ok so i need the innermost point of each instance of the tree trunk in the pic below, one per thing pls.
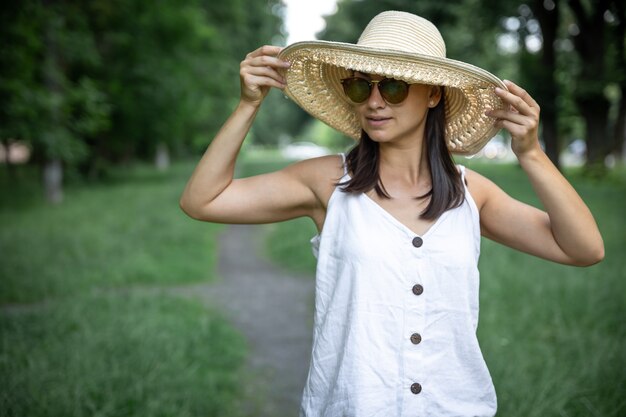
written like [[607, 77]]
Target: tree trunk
[[53, 180], [589, 93], [162, 157], [619, 131], [595, 109], [619, 134], [53, 166], [549, 21], [10, 168]]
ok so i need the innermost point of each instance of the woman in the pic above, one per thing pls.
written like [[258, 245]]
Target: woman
[[400, 224]]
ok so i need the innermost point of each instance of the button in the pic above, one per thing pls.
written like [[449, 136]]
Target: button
[[417, 241], [418, 289], [416, 388], [416, 338]]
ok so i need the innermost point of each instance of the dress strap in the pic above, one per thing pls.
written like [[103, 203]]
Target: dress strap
[[345, 166], [462, 172]]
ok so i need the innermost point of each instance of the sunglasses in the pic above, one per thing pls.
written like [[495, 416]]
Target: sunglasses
[[359, 89]]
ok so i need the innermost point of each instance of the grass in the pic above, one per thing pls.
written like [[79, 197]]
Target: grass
[[552, 335], [126, 231], [561, 327], [118, 355], [87, 327]]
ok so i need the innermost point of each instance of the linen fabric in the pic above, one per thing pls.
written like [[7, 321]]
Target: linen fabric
[[376, 336]]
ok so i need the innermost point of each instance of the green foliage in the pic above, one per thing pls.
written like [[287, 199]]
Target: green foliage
[[100, 81], [42, 104], [322, 134], [279, 120]]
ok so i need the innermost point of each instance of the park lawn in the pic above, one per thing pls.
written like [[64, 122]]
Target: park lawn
[[552, 335], [87, 324], [128, 230], [119, 354]]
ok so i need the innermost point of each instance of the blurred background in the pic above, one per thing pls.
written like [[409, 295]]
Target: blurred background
[[105, 107]]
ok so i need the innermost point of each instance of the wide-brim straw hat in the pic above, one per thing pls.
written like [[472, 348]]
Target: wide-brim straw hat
[[397, 45]]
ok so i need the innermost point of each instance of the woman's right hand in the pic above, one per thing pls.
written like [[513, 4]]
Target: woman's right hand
[[258, 72]]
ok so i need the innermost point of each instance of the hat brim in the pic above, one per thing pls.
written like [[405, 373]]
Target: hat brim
[[317, 67]]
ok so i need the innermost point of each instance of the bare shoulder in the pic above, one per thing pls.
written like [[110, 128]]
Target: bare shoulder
[[481, 187], [319, 174]]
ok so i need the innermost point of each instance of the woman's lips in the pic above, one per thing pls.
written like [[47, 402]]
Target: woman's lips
[[376, 121]]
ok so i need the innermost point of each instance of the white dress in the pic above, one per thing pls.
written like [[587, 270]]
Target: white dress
[[396, 315]]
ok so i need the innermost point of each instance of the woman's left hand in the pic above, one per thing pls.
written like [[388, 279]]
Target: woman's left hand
[[521, 119]]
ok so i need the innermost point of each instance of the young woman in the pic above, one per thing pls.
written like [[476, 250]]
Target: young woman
[[399, 224]]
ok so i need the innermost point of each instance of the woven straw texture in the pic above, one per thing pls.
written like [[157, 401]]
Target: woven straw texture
[[396, 45]]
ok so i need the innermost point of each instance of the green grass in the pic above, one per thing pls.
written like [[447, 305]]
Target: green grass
[[126, 231], [86, 325], [553, 336], [118, 355], [552, 333]]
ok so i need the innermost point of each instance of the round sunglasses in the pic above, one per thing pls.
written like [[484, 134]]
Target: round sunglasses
[[359, 89]]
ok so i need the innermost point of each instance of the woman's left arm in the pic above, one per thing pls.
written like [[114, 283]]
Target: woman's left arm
[[566, 232]]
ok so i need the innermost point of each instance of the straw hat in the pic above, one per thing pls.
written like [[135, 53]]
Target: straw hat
[[396, 45]]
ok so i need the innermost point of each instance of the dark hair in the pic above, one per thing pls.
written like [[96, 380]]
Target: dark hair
[[447, 188]]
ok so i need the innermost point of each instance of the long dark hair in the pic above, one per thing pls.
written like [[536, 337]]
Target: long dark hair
[[447, 188]]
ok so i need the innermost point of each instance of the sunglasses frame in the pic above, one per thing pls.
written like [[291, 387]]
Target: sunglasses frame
[[371, 83]]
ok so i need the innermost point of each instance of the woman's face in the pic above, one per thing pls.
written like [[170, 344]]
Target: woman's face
[[405, 121]]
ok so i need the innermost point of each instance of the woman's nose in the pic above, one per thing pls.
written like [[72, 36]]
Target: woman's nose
[[375, 100]]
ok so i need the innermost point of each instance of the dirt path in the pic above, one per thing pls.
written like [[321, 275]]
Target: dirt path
[[274, 310]]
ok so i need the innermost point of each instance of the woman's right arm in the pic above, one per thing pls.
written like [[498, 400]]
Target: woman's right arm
[[211, 194]]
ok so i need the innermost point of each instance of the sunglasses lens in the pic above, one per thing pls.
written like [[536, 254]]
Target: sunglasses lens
[[393, 91], [357, 89]]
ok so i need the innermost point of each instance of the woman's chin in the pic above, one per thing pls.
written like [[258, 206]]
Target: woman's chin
[[377, 135]]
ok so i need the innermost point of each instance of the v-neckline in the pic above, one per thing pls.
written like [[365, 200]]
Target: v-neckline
[[391, 217], [401, 225]]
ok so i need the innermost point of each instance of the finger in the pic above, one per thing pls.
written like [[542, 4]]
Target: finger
[[270, 50], [520, 92], [515, 101], [517, 131], [266, 61], [262, 72], [260, 81], [508, 115]]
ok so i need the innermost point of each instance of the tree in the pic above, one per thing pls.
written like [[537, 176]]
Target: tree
[[596, 72], [619, 39], [547, 13], [44, 105], [94, 82]]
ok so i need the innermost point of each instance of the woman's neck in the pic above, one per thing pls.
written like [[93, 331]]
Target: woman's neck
[[404, 165]]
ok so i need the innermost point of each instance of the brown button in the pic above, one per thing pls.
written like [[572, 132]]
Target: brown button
[[416, 388], [416, 338], [418, 289], [417, 241]]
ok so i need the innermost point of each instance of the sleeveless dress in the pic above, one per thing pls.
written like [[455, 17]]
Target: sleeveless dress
[[396, 315]]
